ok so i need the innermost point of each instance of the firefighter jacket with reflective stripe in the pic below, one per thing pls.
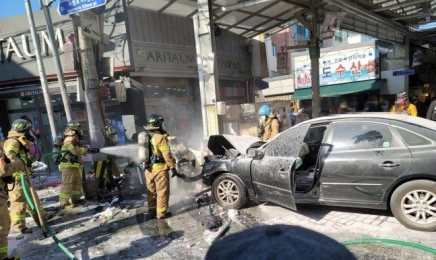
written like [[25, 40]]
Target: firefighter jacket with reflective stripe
[[6, 170], [17, 147], [73, 157], [271, 126], [161, 149]]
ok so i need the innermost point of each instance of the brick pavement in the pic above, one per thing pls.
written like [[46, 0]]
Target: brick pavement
[[129, 236]]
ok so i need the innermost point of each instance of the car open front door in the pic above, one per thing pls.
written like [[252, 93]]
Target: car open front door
[[273, 170]]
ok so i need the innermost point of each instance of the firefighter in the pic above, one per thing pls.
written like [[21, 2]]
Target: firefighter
[[16, 149], [270, 125], [6, 177], [158, 169], [70, 165]]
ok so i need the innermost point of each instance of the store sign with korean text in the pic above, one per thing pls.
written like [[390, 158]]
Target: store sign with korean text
[[336, 67]]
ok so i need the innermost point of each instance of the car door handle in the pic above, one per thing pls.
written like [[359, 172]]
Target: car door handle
[[388, 165]]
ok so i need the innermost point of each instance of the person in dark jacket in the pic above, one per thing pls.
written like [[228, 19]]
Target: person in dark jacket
[[431, 112], [420, 107]]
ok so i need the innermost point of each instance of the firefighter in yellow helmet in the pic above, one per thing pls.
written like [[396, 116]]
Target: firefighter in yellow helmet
[[70, 165], [16, 148], [6, 177], [157, 172]]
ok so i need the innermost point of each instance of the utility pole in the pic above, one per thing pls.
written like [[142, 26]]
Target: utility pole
[[314, 53], [200, 74], [208, 55], [55, 52], [92, 95], [42, 75]]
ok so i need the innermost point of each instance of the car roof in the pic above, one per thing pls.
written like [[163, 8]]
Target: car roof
[[376, 115]]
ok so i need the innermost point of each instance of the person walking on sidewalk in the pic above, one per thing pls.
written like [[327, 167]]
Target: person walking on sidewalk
[[6, 177], [70, 165], [157, 172], [16, 148]]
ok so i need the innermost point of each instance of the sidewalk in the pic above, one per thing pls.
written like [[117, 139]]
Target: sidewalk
[[118, 231], [122, 231]]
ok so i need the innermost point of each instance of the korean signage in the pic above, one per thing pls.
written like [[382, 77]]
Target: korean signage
[[67, 7], [281, 60], [90, 24], [336, 67]]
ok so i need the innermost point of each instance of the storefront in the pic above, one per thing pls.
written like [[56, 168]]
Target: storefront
[[165, 63], [362, 77]]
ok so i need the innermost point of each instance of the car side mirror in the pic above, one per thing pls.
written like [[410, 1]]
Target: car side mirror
[[251, 152], [258, 154]]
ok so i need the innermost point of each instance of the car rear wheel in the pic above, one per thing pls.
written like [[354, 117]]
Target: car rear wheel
[[229, 191], [414, 205]]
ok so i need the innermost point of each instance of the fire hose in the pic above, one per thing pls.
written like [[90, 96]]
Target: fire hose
[[389, 241], [46, 228]]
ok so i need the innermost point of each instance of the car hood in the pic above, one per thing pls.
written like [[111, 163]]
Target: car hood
[[231, 145]]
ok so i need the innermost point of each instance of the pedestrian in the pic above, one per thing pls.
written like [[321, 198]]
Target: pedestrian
[[278, 242], [70, 165], [420, 107], [431, 112], [157, 172], [402, 105], [6, 177], [270, 124], [16, 148]]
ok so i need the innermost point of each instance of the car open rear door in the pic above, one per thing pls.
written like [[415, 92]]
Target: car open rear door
[[273, 169]]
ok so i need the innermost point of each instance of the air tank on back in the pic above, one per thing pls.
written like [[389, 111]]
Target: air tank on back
[[143, 152]]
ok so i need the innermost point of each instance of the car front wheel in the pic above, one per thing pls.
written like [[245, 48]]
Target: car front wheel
[[414, 205], [229, 191]]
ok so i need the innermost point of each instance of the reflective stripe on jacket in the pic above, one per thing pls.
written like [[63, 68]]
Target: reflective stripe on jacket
[[161, 149], [71, 144]]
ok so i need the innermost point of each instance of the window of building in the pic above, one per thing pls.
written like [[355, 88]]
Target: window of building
[[301, 33], [274, 50]]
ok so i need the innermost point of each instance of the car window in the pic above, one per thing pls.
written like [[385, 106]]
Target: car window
[[362, 135], [411, 138], [287, 144], [315, 134]]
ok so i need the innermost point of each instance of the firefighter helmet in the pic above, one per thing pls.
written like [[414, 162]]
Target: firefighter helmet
[[21, 126], [74, 125], [265, 110], [155, 121]]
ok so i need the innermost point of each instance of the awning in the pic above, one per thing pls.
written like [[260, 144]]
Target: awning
[[340, 89], [278, 98]]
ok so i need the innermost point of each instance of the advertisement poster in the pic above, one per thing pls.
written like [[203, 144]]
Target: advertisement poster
[[338, 67]]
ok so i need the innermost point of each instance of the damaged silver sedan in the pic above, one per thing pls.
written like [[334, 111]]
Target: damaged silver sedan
[[376, 160]]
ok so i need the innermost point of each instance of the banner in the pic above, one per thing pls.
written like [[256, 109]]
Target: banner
[[336, 67]]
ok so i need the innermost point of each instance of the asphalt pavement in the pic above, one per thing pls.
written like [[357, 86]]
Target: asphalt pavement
[[118, 228]]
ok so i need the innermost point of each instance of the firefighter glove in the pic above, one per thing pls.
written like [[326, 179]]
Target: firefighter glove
[[93, 150], [74, 158], [8, 179], [173, 172]]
